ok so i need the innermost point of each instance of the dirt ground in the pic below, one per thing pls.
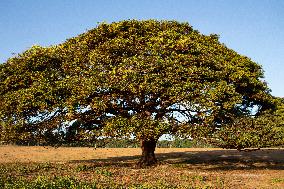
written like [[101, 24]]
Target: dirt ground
[[255, 169]]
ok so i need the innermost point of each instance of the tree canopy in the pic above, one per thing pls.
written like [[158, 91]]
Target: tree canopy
[[131, 78]]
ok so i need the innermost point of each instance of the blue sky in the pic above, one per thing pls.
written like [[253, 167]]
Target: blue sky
[[251, 27]]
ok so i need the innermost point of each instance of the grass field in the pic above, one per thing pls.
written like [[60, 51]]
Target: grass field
[[76, 167]]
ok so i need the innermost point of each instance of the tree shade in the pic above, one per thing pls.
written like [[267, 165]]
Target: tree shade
[[132, 78]]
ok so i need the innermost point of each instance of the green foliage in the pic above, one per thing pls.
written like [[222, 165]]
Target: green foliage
[[129, 78], [256, 132], [278, 180]]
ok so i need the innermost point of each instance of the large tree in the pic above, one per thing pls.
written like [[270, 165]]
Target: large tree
[[132, 78]]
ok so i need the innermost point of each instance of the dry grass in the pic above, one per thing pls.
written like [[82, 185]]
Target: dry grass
[[62, 154], [179, 167]]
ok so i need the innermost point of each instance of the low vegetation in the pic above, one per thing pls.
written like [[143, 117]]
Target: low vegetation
[[91, 175]]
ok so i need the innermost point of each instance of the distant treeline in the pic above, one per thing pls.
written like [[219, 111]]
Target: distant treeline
[[176, 143], [127, 143]]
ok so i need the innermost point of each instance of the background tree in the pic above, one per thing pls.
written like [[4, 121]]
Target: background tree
[[132, 78], [259, 131]]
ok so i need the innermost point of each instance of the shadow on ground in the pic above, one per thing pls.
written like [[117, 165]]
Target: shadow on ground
[[271, 159]]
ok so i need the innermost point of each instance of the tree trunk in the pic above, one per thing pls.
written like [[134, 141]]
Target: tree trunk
[[148, 152]]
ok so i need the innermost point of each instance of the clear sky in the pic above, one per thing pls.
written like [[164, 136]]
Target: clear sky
[[254, 28]]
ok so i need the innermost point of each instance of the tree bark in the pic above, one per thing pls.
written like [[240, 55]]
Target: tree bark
[[148, 152]]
